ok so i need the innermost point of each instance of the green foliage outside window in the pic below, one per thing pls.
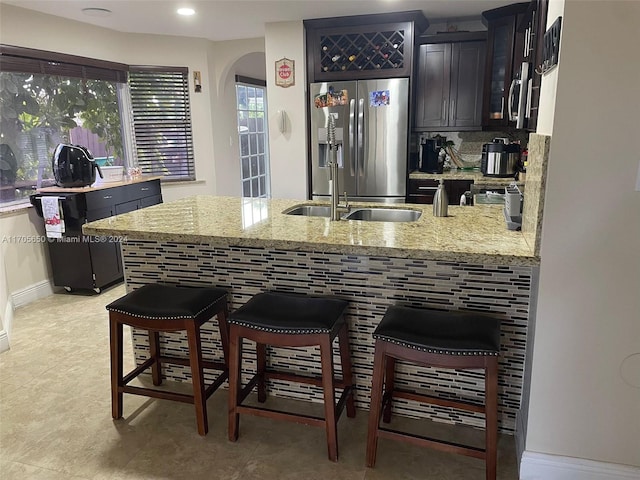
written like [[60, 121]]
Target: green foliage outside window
[[37, 112]]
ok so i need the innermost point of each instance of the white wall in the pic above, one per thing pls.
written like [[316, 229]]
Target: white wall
[[287, 151], [225, 128], [547, 105], [588, 319]]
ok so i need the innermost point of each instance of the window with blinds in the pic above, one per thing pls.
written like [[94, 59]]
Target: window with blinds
[[162, 121]]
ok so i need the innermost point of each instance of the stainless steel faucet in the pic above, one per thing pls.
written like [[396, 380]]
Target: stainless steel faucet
[[333, 171]]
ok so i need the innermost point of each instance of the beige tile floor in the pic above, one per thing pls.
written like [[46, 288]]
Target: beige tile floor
[[55, 420]]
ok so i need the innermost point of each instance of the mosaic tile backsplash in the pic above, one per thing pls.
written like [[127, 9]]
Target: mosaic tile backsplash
[[370, 284]]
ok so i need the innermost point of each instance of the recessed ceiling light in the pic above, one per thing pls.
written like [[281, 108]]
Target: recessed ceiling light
[[96, 12], [186, 11]]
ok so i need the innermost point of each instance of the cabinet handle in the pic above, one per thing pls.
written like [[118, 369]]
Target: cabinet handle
[[144, 189], [427, 188], [444, 109], [512, 117], [502, 108], [453, 110], [107, 197]]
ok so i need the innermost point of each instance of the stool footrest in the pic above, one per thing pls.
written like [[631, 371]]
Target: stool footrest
[[178, 397], [244, 393], [442, 445], [210, 364], [443, 402], [295, 377], [281, 415], [216, 383], [342, 401], [152, 392], [137, 371]]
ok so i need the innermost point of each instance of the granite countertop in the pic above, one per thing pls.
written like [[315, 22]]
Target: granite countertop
[[476, 234], [97, 186], [475, 175]]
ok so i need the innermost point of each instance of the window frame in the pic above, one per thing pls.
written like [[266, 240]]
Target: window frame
[[15, 59], [265, 191], [177, 124]]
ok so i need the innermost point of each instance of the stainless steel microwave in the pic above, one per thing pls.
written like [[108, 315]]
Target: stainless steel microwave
[[520, 96]]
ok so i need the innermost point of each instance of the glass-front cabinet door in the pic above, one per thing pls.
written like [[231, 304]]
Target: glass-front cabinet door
[[499, 71]]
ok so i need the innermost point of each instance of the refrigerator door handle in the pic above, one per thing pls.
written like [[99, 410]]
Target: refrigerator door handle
[[361, 153], [352, 129]]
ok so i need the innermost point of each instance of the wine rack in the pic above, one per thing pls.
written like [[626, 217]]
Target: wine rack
[[363, 46], [362, 51]]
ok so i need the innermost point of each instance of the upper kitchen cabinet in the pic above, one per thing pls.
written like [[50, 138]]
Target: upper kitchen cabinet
[[505, 45], [534, 25], [449, 83], [363, 46]]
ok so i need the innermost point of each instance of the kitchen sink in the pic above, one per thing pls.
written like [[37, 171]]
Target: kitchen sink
[[309, 210], [373, 214], [384, 215]]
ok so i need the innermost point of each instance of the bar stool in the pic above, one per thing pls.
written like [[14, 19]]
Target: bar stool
[[165, 308], [435, 338], [289, 320]]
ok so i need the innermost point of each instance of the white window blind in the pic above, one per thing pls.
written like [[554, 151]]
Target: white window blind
[[162, 121]]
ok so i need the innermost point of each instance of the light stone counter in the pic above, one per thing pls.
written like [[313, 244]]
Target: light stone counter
[[97, 186], [476, 234], [475, 175], [468, 261]]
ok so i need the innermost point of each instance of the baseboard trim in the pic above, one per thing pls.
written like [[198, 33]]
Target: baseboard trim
[[520, 436], [540, 466], [4, 341], [32, 293], [7, 322]]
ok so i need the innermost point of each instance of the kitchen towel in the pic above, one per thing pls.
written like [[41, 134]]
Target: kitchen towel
[[53, 221]]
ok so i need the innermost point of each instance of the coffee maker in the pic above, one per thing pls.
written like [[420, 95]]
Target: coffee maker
[[430, 154]]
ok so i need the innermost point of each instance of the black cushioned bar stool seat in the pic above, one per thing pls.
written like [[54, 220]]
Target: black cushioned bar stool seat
[[166, 308], [457, 340], [290, 320]]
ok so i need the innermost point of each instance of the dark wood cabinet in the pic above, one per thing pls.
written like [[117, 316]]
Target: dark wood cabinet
[[449, 84], [505, 45], [362, 46], [534, 26], [422, 190], [87, 262]]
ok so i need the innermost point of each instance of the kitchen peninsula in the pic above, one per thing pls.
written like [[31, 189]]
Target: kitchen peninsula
[[468, 260]]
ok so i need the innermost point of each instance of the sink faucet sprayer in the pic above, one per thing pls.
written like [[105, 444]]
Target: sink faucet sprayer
[[333, 171]]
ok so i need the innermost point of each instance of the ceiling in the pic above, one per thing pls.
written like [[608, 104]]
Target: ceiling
[[235, 19]]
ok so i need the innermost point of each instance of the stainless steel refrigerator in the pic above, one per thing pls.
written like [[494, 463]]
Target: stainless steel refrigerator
[[371, 118]]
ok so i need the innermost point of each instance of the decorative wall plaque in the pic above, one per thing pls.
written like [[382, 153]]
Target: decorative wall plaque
[[285, 72], [551, 48]]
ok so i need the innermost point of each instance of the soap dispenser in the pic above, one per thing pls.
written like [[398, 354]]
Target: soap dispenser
[[440, 201]]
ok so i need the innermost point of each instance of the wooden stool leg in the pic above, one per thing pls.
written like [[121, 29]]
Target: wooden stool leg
[[347, 373], [115, 332], [491, 412], [154, 350], [389, 385], [326, 357], [197, 377], [261, 363], [376, 402], [223, 326], [235, 381]]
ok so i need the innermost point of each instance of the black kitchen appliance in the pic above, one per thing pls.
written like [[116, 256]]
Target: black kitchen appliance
[[430, 154], [74, 166], [500, 159]]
